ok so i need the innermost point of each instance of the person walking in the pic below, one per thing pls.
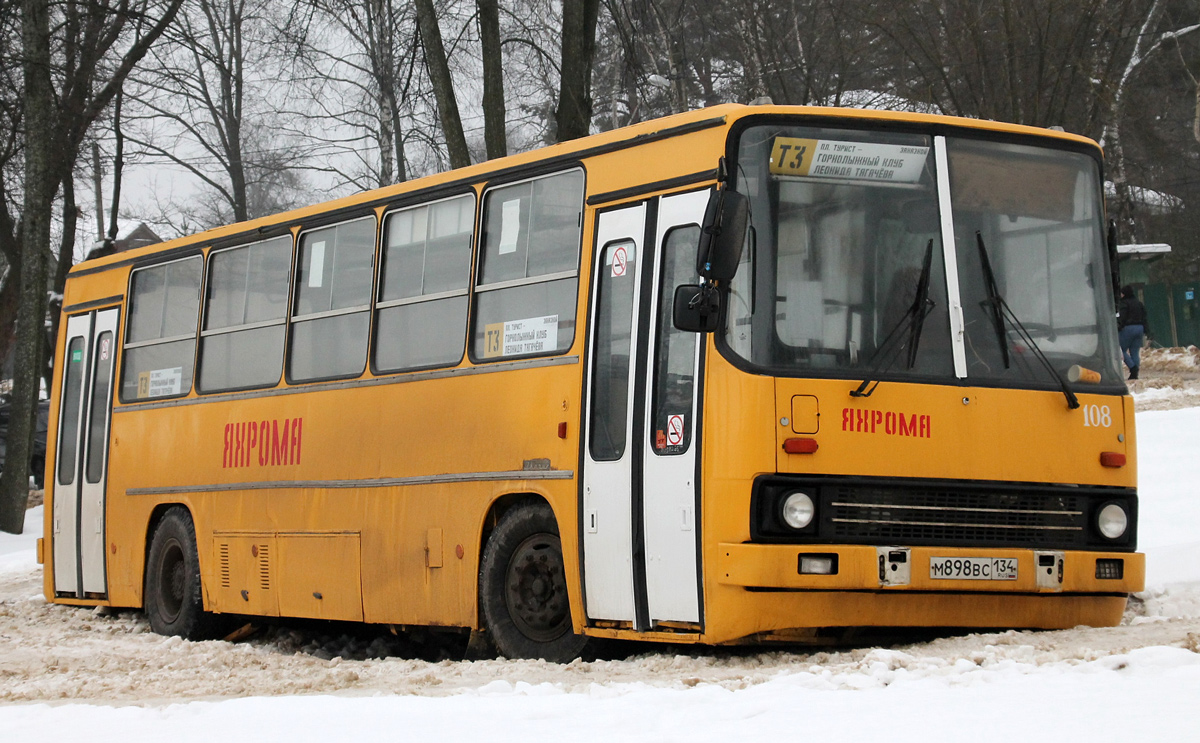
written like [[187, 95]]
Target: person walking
[[1132, 327]]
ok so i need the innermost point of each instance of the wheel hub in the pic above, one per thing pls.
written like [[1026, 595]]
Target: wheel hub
[[536, 589]]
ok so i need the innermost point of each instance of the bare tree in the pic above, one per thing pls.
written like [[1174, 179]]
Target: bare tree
[[71, 70], [359, 62], [211, 105], [494, 114], [443, 84], [1150, 41], [1037, 62], [573, 118]]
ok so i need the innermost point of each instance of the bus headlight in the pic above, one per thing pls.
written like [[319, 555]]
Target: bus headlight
[[798, 510], [1112, 521]]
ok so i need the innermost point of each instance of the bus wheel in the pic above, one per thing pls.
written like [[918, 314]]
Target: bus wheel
[[173, 601], [523, 588]]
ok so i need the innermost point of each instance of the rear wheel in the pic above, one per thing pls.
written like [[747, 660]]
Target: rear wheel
[[523, 588], [173, 600]]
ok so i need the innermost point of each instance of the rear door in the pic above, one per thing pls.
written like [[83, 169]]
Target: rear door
[[81, 460]]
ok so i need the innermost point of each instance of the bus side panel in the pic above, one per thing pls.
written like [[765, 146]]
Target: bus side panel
[[739, 442], [307, 469]]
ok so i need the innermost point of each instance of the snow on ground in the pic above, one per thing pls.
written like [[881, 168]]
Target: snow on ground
[[67, 671]]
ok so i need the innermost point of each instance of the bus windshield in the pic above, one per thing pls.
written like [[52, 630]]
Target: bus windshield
[[844, 274]]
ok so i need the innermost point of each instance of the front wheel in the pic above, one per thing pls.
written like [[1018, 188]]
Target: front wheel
[[173, 600], [523, 588]]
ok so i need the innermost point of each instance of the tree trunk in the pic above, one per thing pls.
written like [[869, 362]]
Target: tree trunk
[[493, 79], [40, 186], [443, 85], [233, 86], [397, 137], [118, 170], [66, 257], [573, 118]]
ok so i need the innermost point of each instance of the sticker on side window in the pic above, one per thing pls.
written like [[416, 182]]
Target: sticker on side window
[[510, 226], [521, 337]]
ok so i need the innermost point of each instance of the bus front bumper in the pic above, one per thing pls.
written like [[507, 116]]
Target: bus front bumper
[[868, 568]]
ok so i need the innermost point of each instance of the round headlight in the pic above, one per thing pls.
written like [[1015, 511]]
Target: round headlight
[[798, 510], [1112, 521]]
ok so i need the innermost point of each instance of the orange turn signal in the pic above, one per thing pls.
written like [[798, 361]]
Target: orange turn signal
[[1112, 459], [800, 446]]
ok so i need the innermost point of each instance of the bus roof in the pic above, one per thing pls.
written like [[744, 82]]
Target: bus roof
[[722, 115]]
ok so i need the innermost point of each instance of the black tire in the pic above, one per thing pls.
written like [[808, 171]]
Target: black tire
[[173, 600], [523, 588]]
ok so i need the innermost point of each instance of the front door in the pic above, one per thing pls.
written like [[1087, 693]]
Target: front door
[[81, 465], [640, 494]]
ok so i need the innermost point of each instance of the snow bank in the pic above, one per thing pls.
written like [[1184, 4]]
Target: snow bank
[[1145, 694], [18, 552]]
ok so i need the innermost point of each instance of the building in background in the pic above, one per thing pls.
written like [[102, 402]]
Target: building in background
[[1172, 307]]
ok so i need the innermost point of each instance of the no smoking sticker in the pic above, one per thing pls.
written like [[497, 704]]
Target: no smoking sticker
[[620, 262], [675, 430]]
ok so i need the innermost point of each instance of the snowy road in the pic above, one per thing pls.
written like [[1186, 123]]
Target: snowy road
[[64, 669]]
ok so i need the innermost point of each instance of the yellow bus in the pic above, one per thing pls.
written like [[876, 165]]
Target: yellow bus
[[739, 375]]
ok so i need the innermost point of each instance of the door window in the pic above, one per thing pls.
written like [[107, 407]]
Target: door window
[[675, 356], [612, 351], [98, 416], [72, 397]]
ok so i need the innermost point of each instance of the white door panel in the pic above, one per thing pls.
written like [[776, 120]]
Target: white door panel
[[608, 436], [671, 525], [81, 455], [94, 453], [66, 467]]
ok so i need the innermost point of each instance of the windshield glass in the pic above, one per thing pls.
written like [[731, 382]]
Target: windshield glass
[[844, 274], [1036, 212], [842, 223]]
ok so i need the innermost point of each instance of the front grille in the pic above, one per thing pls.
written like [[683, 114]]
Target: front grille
[[947, 516], [948, 513]]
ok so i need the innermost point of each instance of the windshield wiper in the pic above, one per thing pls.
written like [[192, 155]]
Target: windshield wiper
[[913, 320], [1001, 312]]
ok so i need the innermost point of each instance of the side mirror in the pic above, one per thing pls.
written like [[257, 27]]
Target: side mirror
[[697, 308], [722, 235]]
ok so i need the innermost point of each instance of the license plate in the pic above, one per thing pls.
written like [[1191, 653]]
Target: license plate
[[973, 568]]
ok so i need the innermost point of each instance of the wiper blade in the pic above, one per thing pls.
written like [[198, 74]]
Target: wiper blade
[[1001, 312], [921, 307], [994, 304], [913, 320]]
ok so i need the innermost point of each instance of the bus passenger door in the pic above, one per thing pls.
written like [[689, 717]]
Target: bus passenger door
[[81, 457], [640, 530], [609, 449], [670, 499]]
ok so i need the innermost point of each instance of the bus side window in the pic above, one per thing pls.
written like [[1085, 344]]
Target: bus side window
[[160, 343], [333, 298], [426, 268], [529, 268], [241, 344]]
